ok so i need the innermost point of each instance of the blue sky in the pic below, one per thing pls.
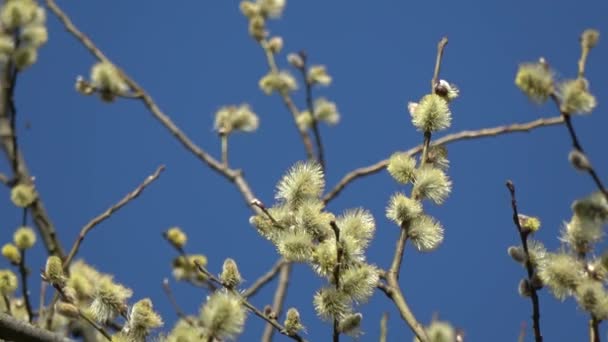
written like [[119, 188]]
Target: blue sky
[[195, 56]]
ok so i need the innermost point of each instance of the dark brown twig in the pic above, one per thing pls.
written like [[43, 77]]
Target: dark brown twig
[[108, 213], [279, 297], [12, 329], [447, 139], [24, 272], [538, 337], [337, 270], [311, 109]]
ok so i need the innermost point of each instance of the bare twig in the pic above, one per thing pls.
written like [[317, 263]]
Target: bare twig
[[264, 279], [594, 330], [4, 179], [273, 322], [337, 270], [224, 147], [12, 329], [311, 109], [8, 141], [288, 101], [106, 214], [279, 298], [178, 310], [383, 327], [24, 272], [447, 139], [538, 337]]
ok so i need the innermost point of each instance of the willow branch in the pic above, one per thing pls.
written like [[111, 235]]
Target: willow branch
[[106, 214], [8, 141], [538, 337], [24, 272], [383, 327], [279, 298], [311, 109], [445, 140], [288, 101], [273, 322], [12, 329], [233, 175], [264, 279]]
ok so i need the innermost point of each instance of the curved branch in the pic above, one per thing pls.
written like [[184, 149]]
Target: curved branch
[[447, 139]]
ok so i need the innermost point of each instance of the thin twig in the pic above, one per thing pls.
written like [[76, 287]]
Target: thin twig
[[440, 48], [224, 147], [24, 272], [273, 322], [538, 337], [445, 140], [383, 327], [594, 330], [279, 298], [288, 101], [13, 154], [337, 270], [178, 310], [264, 279], [106, 214], [4, 179], [311, 109]]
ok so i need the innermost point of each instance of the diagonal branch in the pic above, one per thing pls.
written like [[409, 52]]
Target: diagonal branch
[[106, 214], [12, 329], [447, 139], [264, 279]]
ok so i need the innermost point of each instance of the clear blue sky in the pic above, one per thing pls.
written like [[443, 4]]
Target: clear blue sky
[[195, 56]]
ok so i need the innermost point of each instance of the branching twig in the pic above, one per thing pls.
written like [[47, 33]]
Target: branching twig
[[273, 322], [279, 298], [180, 313], [447, 139], [337, 270], [538, 337], [106, 214], [264, 279]]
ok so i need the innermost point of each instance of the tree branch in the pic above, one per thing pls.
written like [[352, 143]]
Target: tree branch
[[538, 337], [445, 140], [106, 214], [264, 279], [279, 298], [12, 329]]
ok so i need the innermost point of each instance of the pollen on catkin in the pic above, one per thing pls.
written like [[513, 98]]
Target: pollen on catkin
[[426, 233], [575, 97], [431, 114], [109, 299], [108, 79], [351, 325], [359, 282], [535, 80], [295, 245], [292, 322], [281, 81], [8, 282], [358, 225], [176, 236], [402, 167], [23, 195], [561, 272], [11, 253], [433, 184], [223, 316], [53, 271], [317, 74], [402, 209], [24, 237], [236, 118], [326, 111], [331, 303], [302, 182], [230, 276], [142, 319]]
